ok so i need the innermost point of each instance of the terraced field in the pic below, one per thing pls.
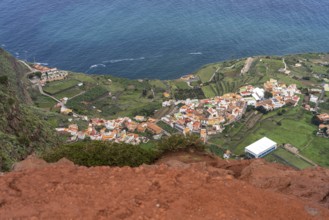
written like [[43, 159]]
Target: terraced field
[[58, 86]]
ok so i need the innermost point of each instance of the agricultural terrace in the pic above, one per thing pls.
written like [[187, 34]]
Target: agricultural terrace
[[293, 126]]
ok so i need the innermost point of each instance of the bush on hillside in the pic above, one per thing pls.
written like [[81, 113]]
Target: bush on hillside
[[4, 80], [176, 143], [97, 153]]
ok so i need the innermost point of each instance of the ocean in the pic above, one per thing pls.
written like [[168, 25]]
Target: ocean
[[162, 39]]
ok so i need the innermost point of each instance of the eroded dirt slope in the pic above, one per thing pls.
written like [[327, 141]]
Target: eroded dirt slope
[[174, 190]]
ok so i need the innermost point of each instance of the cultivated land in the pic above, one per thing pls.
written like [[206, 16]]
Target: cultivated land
[[110, 97]]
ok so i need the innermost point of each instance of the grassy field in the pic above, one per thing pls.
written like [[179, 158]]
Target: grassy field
[[58, 86], [158, 84], [69, 93], [289, 158], [44, 102], [294, 128], [208, 91], [206, 72], [180, 84], [83, 77]]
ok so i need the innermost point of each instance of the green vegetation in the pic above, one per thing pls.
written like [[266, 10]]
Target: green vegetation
[[97, 153], [109, 97], [292, 126], [23, 129], [158, 84], [206, 72], [283, 156], [58, 86], [4, 80], [44, 102], [178, 142], [208, 91], [181, 85], [91, 95], [182, 94], [102, 154], [167, 127], [69, 93]]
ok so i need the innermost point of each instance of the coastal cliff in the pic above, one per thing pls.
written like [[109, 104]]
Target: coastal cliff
[[22, 128]]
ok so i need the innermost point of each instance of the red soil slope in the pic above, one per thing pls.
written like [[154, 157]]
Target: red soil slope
[[175, 190]]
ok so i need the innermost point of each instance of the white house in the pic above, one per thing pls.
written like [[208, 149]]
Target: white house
[[258, 93], [261, 148], [314, 98]]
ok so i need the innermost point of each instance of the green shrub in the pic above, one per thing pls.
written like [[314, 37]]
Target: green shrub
[[4, 80], [97, 153], [178, 142]]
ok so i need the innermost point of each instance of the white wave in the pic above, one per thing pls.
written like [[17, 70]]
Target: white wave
[[3, 45], [43, 64], [196, 53], [96, 66], [122, 60], [17, 54]]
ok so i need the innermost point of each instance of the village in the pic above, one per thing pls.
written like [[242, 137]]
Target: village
[[204, 117], [210, 116], [117, 130], [223, 114]]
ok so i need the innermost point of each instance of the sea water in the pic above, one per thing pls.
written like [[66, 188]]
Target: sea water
[[158, 38]]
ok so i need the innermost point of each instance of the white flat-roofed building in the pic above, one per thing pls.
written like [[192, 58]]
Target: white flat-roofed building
[[261, 147]]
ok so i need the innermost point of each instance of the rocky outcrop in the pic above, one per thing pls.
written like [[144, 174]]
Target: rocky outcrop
[[309, 184], [215, 190]]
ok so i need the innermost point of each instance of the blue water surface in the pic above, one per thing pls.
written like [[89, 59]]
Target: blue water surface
[[158, 38]]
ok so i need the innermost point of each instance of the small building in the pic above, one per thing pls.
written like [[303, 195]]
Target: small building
[[140, 118], [203, 135], [166, 94], [314, 99], [155, 129], [260, 148], [258, 94]]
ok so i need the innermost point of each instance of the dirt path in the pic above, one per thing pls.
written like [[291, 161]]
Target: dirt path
[[247, 65], [213, 75]]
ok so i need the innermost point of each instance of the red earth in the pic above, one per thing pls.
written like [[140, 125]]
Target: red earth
[[172, 189]]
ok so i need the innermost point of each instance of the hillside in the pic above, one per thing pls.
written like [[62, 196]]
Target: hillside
[[105, 96], [175, 190], [23, 129]]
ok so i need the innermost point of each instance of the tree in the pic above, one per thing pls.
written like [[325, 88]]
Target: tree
[[316, 120], [268, 95], [144, 93], [39, 74], [262, 109], [250, 108]]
